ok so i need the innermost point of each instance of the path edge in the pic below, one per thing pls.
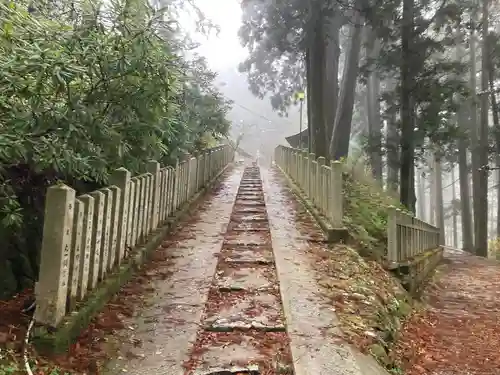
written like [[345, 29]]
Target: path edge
[[58, 340], [365, 364]]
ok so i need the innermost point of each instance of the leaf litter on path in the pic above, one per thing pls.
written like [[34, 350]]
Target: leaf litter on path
[[107, 331], [459, 331]]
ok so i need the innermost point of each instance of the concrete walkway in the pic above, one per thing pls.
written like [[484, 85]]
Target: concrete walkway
[[243, 296]]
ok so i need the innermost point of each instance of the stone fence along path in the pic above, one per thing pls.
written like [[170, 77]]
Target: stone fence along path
[[413, 246], [233, 290], [241, 296], [88, 240]]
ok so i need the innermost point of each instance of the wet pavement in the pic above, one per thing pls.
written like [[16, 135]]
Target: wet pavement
[[168, 323], [243, 323], [312, 324], [242, 297]]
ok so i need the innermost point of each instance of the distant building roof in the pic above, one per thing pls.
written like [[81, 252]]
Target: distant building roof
[[294, 140]]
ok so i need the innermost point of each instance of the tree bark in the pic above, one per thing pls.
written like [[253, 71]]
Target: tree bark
[[317, 75], [331, 87], [308, 100], [392, 146], [481, 216], [339, 143], [438, 184], [496, 127], [407, 183], [454, 211], [463, 175], [432, 191], [373, 109], [421, 196]]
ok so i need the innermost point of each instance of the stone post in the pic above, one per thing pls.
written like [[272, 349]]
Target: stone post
[[95, 249], [86, 244], [142, 208], [163, 195], [52, 287], [335, 194], [170, 191], [133, 213], [153, 167], [76, 245], [189, 178], [116, 222], [320, 190], [392, 234], [310, 175], [148, 195], [121, 179], [106, 233]]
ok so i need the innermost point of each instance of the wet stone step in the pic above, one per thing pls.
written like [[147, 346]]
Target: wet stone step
[[248, 226], [250, 202], [235, 370], [247, 239], [251, 185], [250, 188], [249, 277], [249, 210], [250, 197], [262, 353], [254, 254], [242, 310], [248, 217], [259, 194]]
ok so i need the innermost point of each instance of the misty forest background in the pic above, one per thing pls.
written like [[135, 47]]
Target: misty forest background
[[409, 86]]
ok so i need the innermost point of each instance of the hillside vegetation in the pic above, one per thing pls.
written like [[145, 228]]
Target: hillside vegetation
[[370, 303], [85, 89]]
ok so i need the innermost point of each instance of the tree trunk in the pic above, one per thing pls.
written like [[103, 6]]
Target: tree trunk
[[392, 146], [463, 175], [317, 75], [473, 131], [421, 196], [438, 185], [432, 191], [339, 143], [308, 100], [496, 121], [454, 211], [373, 106], [481, 216], [407, 183], [331, 87]]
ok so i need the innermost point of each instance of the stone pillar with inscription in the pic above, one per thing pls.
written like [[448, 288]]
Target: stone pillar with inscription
[[52, 286]]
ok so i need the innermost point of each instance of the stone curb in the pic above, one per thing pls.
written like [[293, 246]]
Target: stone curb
[[332, 235], [347, 360], [58, 340]]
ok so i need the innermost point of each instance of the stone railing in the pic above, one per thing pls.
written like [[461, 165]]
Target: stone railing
[[408, 237], [413, 246], [321, 183], [86, 238]]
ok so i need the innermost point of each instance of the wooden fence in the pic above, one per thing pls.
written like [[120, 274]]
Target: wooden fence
[[87, 237], [407, 236]]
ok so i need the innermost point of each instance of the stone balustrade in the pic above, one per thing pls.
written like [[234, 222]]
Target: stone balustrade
[[86, 237]]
